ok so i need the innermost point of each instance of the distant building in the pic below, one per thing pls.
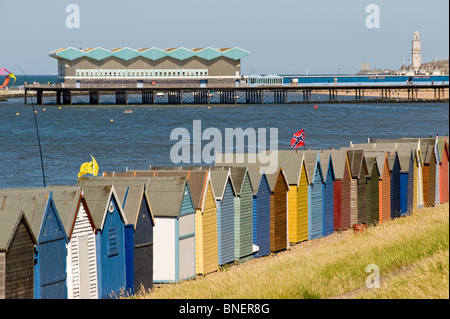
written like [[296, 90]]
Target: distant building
[[149, 66], [416, 52], [436, 67], [366, 69]]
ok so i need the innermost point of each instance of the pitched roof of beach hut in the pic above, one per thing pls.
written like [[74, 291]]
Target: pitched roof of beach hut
[[248, 163], [312, 161], [10, 222], [357, 162], [371, 161], [131, 193], [32, 201], [291, 161], [219, 179], [166, 195], [17, 243], [67, 200], [409, 144], [198, 180], [255, 178], [442, 146], [98, 198], [339, 158], [326, 162], [428, 149], [218, 176]]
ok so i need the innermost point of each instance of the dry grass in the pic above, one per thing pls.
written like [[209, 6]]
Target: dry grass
[[335, 265]]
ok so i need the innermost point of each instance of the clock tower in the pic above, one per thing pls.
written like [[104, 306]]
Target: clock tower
[[416, 52]]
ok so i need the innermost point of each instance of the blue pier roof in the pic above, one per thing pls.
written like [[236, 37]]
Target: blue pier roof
[[150, 53]]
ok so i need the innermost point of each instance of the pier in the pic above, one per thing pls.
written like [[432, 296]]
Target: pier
[[96, 94]]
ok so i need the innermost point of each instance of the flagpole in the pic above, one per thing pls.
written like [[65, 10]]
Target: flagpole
[[37, 128]]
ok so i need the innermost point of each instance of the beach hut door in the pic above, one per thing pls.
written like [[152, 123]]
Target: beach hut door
[[83, 260]]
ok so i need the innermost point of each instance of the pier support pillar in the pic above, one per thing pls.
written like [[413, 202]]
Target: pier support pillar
[[58, 97], [201, 97], [148, 97], [39, 97], [254, 97], [94, 98], [122, 97], [280, 97], [306, 95], [174, 97], [67, 97]]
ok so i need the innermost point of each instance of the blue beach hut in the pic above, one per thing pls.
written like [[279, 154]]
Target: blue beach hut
[[261, 212], [109, 220], [164, 236], [315, 194], [138, 231], [225, 194], [394, 166], [50, 274], [406, 160], [326, 164]]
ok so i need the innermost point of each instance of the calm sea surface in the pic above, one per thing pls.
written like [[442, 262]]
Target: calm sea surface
[[71, 133]]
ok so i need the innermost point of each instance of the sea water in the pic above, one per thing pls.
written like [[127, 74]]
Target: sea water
[[69, 135]]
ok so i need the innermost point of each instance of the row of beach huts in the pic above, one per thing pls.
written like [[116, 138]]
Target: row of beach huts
[[124, 231]]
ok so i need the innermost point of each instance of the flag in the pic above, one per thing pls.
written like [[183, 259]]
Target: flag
[[89, 168], [298, 139]]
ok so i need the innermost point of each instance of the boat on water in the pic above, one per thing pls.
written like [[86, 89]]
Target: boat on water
[[128, 111]]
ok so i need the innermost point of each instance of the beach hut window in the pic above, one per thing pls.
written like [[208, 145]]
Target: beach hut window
[[112, 241]]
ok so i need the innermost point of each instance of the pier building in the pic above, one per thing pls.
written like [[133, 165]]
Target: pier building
[[149, 66]]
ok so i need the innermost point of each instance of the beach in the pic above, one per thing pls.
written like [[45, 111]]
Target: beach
[[424, 94]]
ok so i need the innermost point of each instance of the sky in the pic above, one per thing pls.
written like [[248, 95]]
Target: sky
[[283, 36]]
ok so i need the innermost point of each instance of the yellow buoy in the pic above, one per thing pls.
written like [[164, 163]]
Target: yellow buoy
[[43, 109], [35, 111], [112, 120], [17, 113], [209, 107], [59, 107]]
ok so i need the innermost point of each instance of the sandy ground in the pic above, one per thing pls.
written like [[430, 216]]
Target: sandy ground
[[398, 94]]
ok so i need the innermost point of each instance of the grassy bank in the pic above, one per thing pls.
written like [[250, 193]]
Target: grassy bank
[[412, 255]]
